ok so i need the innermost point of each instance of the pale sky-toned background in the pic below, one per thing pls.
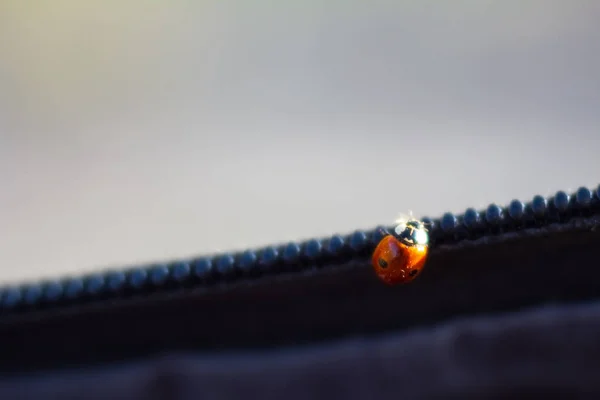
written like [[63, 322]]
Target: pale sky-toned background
[[134, 131]]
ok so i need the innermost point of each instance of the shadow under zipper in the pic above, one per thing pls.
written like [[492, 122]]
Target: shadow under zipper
[[494, 260]]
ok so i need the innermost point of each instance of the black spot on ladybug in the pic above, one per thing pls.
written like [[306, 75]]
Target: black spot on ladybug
[[383, 263], [413, 272]]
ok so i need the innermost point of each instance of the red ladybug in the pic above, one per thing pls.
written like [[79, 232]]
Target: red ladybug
[[401, 255]]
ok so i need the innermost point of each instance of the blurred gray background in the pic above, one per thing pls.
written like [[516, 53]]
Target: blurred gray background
[[136, 131]]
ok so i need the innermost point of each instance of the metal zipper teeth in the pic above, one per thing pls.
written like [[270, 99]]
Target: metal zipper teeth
[[450, 229]]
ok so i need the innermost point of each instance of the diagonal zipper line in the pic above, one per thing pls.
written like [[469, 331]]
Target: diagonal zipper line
[[540, 216]]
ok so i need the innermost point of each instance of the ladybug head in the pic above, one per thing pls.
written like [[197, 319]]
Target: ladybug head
[[411, 233]]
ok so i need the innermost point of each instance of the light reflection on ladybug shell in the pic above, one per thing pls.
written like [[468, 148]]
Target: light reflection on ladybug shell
[[396, 262]]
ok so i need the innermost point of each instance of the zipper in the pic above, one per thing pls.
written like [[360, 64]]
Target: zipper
[[306, 257], [492, 261]]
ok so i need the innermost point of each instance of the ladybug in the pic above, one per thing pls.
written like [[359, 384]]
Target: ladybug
[[401, 254]]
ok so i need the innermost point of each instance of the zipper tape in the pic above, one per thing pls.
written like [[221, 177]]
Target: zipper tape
[[550, 259], [297, 257]]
